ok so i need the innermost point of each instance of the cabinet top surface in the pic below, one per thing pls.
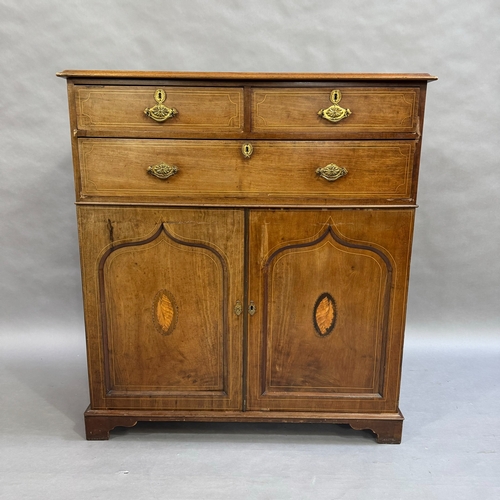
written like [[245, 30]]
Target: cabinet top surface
[[245, 76]]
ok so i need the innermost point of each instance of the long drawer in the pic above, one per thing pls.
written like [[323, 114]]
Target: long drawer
[[276, 172]]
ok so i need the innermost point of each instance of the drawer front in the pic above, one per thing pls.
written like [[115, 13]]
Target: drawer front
[[367, 110], [197, 109], [118, 168], [277, 172], [331, 171]]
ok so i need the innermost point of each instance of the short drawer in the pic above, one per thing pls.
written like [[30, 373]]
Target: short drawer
[[101, 110], [339, 172], [217, 172], [365, 110], [124, 169]]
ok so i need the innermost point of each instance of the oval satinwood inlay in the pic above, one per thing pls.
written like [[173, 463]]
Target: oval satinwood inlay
[[164, 312], [325, 314]]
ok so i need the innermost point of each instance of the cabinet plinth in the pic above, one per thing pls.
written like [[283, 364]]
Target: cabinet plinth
[[245, 244]]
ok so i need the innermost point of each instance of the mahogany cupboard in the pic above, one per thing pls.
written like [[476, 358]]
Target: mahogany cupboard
[[245, 244]]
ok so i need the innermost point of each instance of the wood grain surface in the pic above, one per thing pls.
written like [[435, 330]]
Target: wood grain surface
[[373, 109], [131, 255], [122, 108], [361, 259], [281, 172]]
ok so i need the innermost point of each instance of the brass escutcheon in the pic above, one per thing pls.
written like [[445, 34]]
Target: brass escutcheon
[[247, 150], [252, 309], [160, 113], [238, 308], [334, 113]]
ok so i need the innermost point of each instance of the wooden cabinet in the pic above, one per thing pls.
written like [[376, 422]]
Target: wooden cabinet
[[245, 244]]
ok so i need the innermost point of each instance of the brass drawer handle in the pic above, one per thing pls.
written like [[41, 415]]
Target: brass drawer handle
[[332, 172], [162, 170], [334, 113], [160, 113]]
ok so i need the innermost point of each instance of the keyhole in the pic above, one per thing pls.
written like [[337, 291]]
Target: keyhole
[[247, 150], [252, 309], [160, 95], [336, 96]]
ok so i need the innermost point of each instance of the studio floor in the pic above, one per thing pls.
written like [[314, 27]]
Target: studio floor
[[451, 438]]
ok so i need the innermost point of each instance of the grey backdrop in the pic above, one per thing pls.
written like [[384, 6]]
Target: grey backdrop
[[450, 388], [455, 266]]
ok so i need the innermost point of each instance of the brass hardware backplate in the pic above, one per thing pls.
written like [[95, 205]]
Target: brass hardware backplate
[[334, 113], [247, 150], [332, 172], [238, 308], [160, 113], [252, 309], [162, 170]]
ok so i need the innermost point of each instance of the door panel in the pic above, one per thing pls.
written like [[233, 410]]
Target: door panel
[[162, 282], [324, 286]]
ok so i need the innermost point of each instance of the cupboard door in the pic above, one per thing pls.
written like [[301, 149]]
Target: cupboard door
[[160, 286], [329, 288]]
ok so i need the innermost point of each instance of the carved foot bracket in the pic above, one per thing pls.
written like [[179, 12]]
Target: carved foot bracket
[[386, 431], [97, 427]]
